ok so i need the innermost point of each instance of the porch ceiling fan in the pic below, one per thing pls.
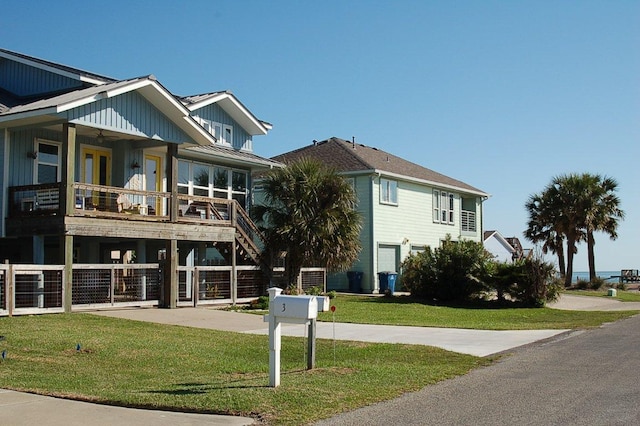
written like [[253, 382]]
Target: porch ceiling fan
[[101, 137]]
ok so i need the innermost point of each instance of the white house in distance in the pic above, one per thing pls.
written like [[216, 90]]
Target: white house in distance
[[504, 249], [405, 206]]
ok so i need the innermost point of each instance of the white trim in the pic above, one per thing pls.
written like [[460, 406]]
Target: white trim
[[422, 181], [226, 96], [36, 161], [55, 70]]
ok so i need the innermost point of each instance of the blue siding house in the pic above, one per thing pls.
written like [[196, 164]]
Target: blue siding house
[[97, 170]]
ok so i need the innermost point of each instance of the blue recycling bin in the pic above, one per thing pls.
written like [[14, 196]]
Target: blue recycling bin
[[387, 281], [355, 281]]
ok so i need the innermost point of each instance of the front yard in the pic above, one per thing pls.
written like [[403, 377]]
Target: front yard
[[130, 363]]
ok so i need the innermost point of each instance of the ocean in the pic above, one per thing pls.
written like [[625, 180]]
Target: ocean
[[584, 275]]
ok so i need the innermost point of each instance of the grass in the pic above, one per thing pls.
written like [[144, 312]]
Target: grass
[[147, 365], [404, 310], [139, 364], [621, 295]]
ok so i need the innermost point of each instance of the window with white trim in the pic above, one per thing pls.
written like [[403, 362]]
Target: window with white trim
[[222, 132], [212, 181], [48, 161], [227, 135], [388, 191], [443, 207]]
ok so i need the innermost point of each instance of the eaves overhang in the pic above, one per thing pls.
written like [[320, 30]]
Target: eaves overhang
[[147, 87], [232, 106], [435, 184]]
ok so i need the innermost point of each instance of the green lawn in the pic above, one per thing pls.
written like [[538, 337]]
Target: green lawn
[[141, 364], [149, 365], [621, 295], [403, 310]]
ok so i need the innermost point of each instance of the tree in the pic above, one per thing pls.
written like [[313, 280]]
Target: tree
[[602, 212], [573, 207], [308, 216], [542, 227]]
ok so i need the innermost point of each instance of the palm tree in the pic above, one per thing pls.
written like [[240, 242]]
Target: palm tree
[[307, 214], [601, 210], [541, 227]]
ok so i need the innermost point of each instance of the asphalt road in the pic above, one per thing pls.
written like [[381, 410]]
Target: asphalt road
[[581, 378]]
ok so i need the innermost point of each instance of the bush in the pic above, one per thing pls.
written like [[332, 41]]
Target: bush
[[582, 284], [464, 270], [455, 271], [261, 303], [597, 283], [540, 284]]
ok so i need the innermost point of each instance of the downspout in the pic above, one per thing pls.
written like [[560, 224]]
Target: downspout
[[5, 181], [374, 243]]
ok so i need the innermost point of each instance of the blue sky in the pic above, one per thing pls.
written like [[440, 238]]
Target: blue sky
[[503, 95]]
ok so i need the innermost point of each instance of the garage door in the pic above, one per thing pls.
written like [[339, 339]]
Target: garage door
[[388, 258]]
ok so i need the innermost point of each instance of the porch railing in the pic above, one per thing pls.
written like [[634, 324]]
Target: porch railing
[[34, 200], [109, 200]]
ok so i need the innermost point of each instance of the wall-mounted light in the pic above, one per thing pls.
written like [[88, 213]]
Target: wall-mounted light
[[135, 165], [32, 154]]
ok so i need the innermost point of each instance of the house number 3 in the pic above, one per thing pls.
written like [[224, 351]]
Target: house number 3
[[284, 307]]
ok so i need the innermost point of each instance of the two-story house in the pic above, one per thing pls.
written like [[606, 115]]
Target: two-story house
[[97, 170], [404, 206]]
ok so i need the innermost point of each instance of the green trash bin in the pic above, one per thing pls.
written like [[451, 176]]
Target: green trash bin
[[387, 281]]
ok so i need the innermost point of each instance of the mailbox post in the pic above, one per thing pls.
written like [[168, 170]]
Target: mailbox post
[[287, 309]]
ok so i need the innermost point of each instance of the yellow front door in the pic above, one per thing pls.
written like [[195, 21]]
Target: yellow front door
[[153, 182], [96, 170]]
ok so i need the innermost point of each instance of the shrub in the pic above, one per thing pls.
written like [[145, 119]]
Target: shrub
[[582, 284], [597, 283], [314, 291], [455, 271], [261, 303]]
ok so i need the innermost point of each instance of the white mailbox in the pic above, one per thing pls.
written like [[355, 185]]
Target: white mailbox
[[297, 307], [323, 303]]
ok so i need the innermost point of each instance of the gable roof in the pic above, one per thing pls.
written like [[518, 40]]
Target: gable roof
[[148, 87], [498, 237], [232, 106], [351, 157], [60, 69]]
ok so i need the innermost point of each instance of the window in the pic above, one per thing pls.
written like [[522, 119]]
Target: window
[[443, 207], [47, 167], [388, 191], [206, 181], [451, 208], [227, 135], [222, 132]]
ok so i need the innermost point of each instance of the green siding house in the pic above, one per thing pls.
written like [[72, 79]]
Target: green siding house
[[404, 206]]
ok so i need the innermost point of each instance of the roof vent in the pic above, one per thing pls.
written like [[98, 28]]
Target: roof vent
[[315, 142], [353, 141]]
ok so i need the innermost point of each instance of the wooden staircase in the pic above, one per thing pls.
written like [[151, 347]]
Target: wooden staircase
[[249, 239]]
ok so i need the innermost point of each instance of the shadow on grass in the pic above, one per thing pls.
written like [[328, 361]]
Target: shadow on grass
[[185, 389], [470, 304]]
